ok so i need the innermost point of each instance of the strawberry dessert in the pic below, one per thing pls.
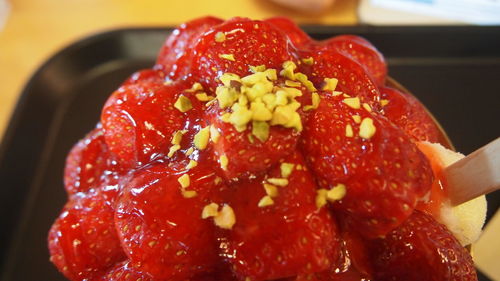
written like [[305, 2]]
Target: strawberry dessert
[[252, 152]]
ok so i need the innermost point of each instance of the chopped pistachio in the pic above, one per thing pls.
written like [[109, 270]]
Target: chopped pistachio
[[201, 138], [189, 193], [191, 164], [196, 87], [227, 57], [336, 193], [189, 151], [384, 102], [225, 117], [308, 61], [286, 169], [260, 130], [227, 77], [260, 112], [223, 162], [184, 181], [305, 81], [226, 96], [315, 102], [367, 107], [214, 134], [288, 70], [291, 83], [177, 137], [225, 218], [367, 129], [353, 102], [210, 210], [183, 104], [330, 84], [174, 148], [220, 37], [356, 118], [271, 190], [348, 131], [203, 97], [258, 68], [278, 181], [265, 201], [321, 197]]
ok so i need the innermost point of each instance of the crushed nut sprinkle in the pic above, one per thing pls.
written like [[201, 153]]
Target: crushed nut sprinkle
[[227, 57], [183, 104], [353, 102], [265, 201], [220, 37], [367, 129], [201, 138], [278, 181], [256, 100], [286, 169]]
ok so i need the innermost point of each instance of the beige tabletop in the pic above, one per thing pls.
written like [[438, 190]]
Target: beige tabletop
[[36, 29]]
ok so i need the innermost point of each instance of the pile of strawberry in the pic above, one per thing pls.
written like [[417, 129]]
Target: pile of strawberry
[[166, 187]]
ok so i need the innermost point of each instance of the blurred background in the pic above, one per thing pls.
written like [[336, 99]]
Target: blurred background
[[33, 30]]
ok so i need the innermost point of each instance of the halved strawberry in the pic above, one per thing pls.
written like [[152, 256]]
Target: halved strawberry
[[125, 271], [83, 242], [88, 163], [406, 112], [352, 77], [288, 237], [421, 249], [160, 224], [362, 52], [236, 45], [298, 37], [176, 53], [383, 172], [140, 119]]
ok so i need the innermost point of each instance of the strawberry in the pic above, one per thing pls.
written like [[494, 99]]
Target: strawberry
[[421, 249], [284, 239], [382, 170], [298, 37], [140, 119], [236, 45], [406, 112], [162, 231], [88, 163], [361, 51], [176, 53], [124, 271], [83, 242], [247, 155], [352, 77]]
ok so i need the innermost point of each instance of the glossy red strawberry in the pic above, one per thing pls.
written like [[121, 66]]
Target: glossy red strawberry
[[236, 45], [176, 53], [83, 242], [88, 163], [406, 112], [249, 156], [352, 77], [289, 237], [124, 271], [422, 249], [383, 171], [161, 229], [298, 37], [361, 51], [140, 119]]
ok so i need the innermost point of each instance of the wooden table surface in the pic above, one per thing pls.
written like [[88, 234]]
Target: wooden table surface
[[36, 29]]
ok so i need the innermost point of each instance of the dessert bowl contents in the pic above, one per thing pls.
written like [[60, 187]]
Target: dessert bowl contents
[[252, 152]]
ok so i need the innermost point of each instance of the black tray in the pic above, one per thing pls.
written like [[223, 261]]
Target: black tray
[[455, 71]]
